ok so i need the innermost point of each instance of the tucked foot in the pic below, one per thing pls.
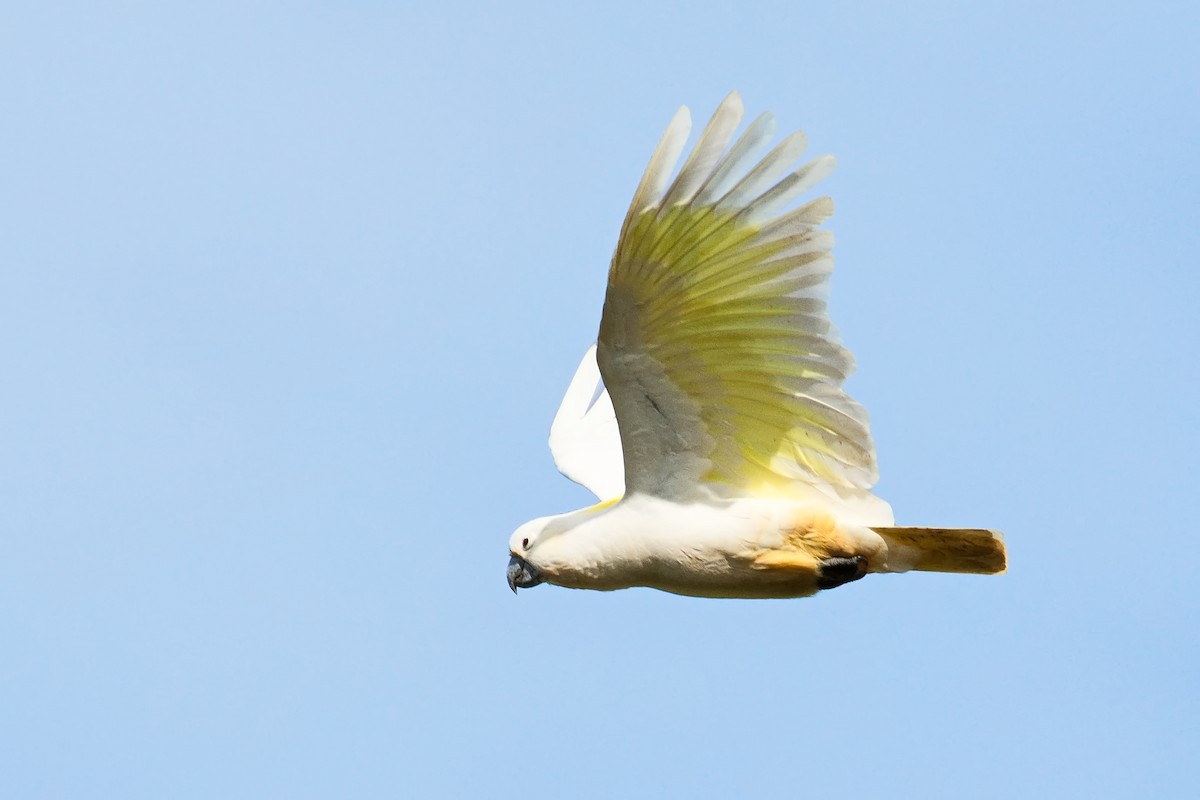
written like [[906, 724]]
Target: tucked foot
[[836, 571]]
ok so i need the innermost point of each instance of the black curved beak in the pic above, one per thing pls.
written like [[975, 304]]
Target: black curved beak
[[522, 574]]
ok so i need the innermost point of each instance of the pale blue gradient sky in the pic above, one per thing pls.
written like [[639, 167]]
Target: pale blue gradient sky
[[289, 293]]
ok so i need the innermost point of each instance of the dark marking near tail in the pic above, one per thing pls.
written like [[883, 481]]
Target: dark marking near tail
[[836, 571]]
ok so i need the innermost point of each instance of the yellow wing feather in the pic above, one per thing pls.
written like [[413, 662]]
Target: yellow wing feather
[[714, 344]]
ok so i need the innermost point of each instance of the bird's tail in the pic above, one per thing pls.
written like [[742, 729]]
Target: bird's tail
[[967, 550]]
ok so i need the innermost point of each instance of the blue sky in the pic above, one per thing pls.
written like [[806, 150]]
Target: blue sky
[[289, 293]]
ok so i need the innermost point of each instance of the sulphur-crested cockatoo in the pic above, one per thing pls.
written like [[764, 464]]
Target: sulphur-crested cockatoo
[[728, 460]]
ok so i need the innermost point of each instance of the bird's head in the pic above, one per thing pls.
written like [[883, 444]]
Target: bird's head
[[523, 569], [549, 550]]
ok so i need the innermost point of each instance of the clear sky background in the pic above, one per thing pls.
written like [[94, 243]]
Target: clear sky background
[[289, 293]]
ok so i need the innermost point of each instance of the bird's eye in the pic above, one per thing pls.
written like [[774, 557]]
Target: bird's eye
[[525, 542]]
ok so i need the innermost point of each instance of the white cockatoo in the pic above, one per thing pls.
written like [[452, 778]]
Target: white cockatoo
[[728, 459]]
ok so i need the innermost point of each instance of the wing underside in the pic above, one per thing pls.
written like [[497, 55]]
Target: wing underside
[[715, 344]]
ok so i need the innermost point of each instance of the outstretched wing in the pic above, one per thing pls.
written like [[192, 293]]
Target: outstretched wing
[[715, 345], [583, 437]]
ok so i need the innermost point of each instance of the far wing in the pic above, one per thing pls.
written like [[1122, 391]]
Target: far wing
[[584, 439], [724, 369]]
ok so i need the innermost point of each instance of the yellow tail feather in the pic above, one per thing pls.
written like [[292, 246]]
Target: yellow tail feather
[[968, 550]]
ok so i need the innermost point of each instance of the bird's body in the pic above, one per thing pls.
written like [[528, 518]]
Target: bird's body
[[748, 547], [742, 548], [731, 461]]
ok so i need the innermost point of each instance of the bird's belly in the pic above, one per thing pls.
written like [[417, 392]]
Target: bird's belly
[[750, 549], [737, 582]]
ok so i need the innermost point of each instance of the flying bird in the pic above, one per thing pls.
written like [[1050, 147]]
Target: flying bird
[[709, 418]]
